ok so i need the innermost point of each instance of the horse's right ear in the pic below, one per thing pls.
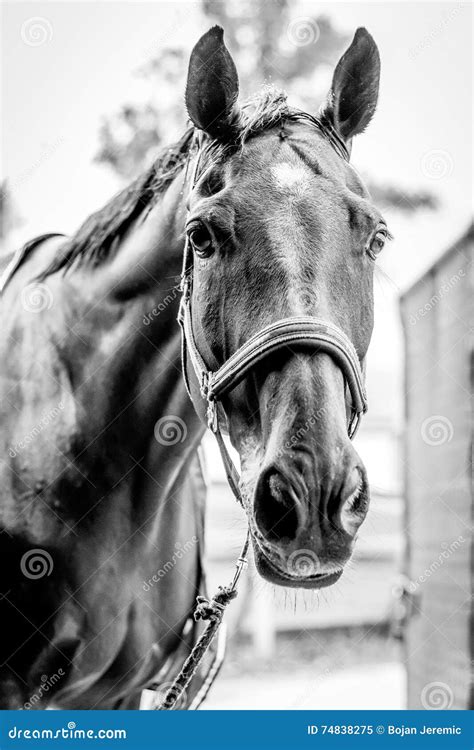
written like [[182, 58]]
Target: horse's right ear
[[213, 86]]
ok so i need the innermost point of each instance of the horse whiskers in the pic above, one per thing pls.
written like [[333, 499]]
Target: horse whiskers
[[380, 275]]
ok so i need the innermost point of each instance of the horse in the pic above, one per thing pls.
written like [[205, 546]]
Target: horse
[[101, 492]]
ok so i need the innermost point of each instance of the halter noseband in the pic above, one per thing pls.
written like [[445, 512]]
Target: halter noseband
[[303, 332]]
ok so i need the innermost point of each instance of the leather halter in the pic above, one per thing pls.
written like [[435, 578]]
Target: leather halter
[[306, 333]]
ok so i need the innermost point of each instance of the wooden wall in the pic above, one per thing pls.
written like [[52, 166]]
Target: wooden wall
[[437, 315]]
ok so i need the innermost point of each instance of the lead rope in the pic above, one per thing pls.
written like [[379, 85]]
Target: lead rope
[[213, 611]]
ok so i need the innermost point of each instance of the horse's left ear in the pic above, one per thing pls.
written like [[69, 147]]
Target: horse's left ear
[[213, 86], [353, 96]]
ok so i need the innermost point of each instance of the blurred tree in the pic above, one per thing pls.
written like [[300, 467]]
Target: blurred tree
[[270, 44], [130, 139]]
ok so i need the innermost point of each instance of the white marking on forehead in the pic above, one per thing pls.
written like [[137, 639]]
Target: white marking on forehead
[[286, 232], [290, 177]]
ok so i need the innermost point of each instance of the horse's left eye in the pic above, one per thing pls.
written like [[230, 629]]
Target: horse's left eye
[[377, 244]]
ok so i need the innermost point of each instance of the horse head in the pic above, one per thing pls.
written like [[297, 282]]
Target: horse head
[[281, 226]]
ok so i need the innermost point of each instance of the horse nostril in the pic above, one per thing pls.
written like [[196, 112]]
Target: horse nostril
[[278, 512], [355, 501]]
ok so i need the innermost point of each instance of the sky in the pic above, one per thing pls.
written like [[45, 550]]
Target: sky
[[66, 65]]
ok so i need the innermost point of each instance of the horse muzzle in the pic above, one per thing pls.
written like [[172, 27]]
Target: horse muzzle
[[302, 536]]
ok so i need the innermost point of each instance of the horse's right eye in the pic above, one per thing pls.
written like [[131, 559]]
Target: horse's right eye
[[201, 241]]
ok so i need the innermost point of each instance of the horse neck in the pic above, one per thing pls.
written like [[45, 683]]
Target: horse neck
[[136, 347]]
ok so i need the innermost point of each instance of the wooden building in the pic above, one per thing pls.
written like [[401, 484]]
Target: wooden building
[[437, 314]]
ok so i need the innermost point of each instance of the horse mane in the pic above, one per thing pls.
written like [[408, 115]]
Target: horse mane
[[99, 236]]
